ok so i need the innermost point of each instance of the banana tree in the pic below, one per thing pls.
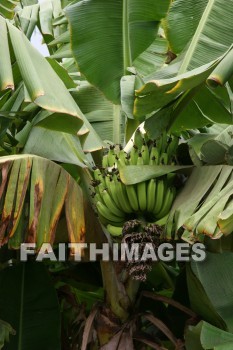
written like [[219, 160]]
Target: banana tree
[[56, 108]]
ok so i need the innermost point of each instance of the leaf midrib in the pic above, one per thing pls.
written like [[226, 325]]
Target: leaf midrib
[[196, 37], [126, 37]]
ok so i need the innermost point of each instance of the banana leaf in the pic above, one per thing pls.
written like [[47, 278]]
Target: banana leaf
[[199, 45], [28, 18], [5, 331], [205, 283], [132, 174], [213, 34], [206, 336], [7, 8], [117, 30], [48, 185], [208, 186], [28, 302], [182, 21], [101, 113]]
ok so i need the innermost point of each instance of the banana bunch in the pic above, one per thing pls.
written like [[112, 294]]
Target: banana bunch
[[116, 202]]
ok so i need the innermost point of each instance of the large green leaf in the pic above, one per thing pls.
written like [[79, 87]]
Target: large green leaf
[[210, 38], [153, 58], [28, 302], [213, 274], [42, 84], [108, 37], [205, 336]]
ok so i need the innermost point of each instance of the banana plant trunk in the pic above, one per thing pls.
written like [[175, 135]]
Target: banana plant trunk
[[120, 289], [120, 296]]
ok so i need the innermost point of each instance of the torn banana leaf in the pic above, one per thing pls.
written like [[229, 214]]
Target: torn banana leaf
[[34, 194], [208, 213]]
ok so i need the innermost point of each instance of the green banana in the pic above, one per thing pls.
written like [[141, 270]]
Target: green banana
[[108, 181], [100, 188], [162, 221], [111, 204], [164, 141], [159, 144], [107, 214], [138, 138], [132, 197], [152, 161], [111, 156], [98, 176], [141, 192], [168, 200], [114, 231], [121, 157], [164, 159], [141, 188], [154, 156], [120, 163], [160, 190], [140, 159], [122, 198], [133, 156], [172, 147], [145, 153], [151, 192], [98, 198], [105, 161], [113, 191], [106, 222]]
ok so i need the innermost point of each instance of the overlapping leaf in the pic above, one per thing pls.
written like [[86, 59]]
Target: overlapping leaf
[[7, 8], [217, 300], [205, 336], [33, 193], [201, 44], [104, 48], [211, 189]]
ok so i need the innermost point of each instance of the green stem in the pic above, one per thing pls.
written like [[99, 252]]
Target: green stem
[[116, 124], [116, 296], [131, 288], [126, 37]]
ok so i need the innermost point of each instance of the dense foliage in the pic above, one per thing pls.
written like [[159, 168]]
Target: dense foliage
[[123, 133]]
